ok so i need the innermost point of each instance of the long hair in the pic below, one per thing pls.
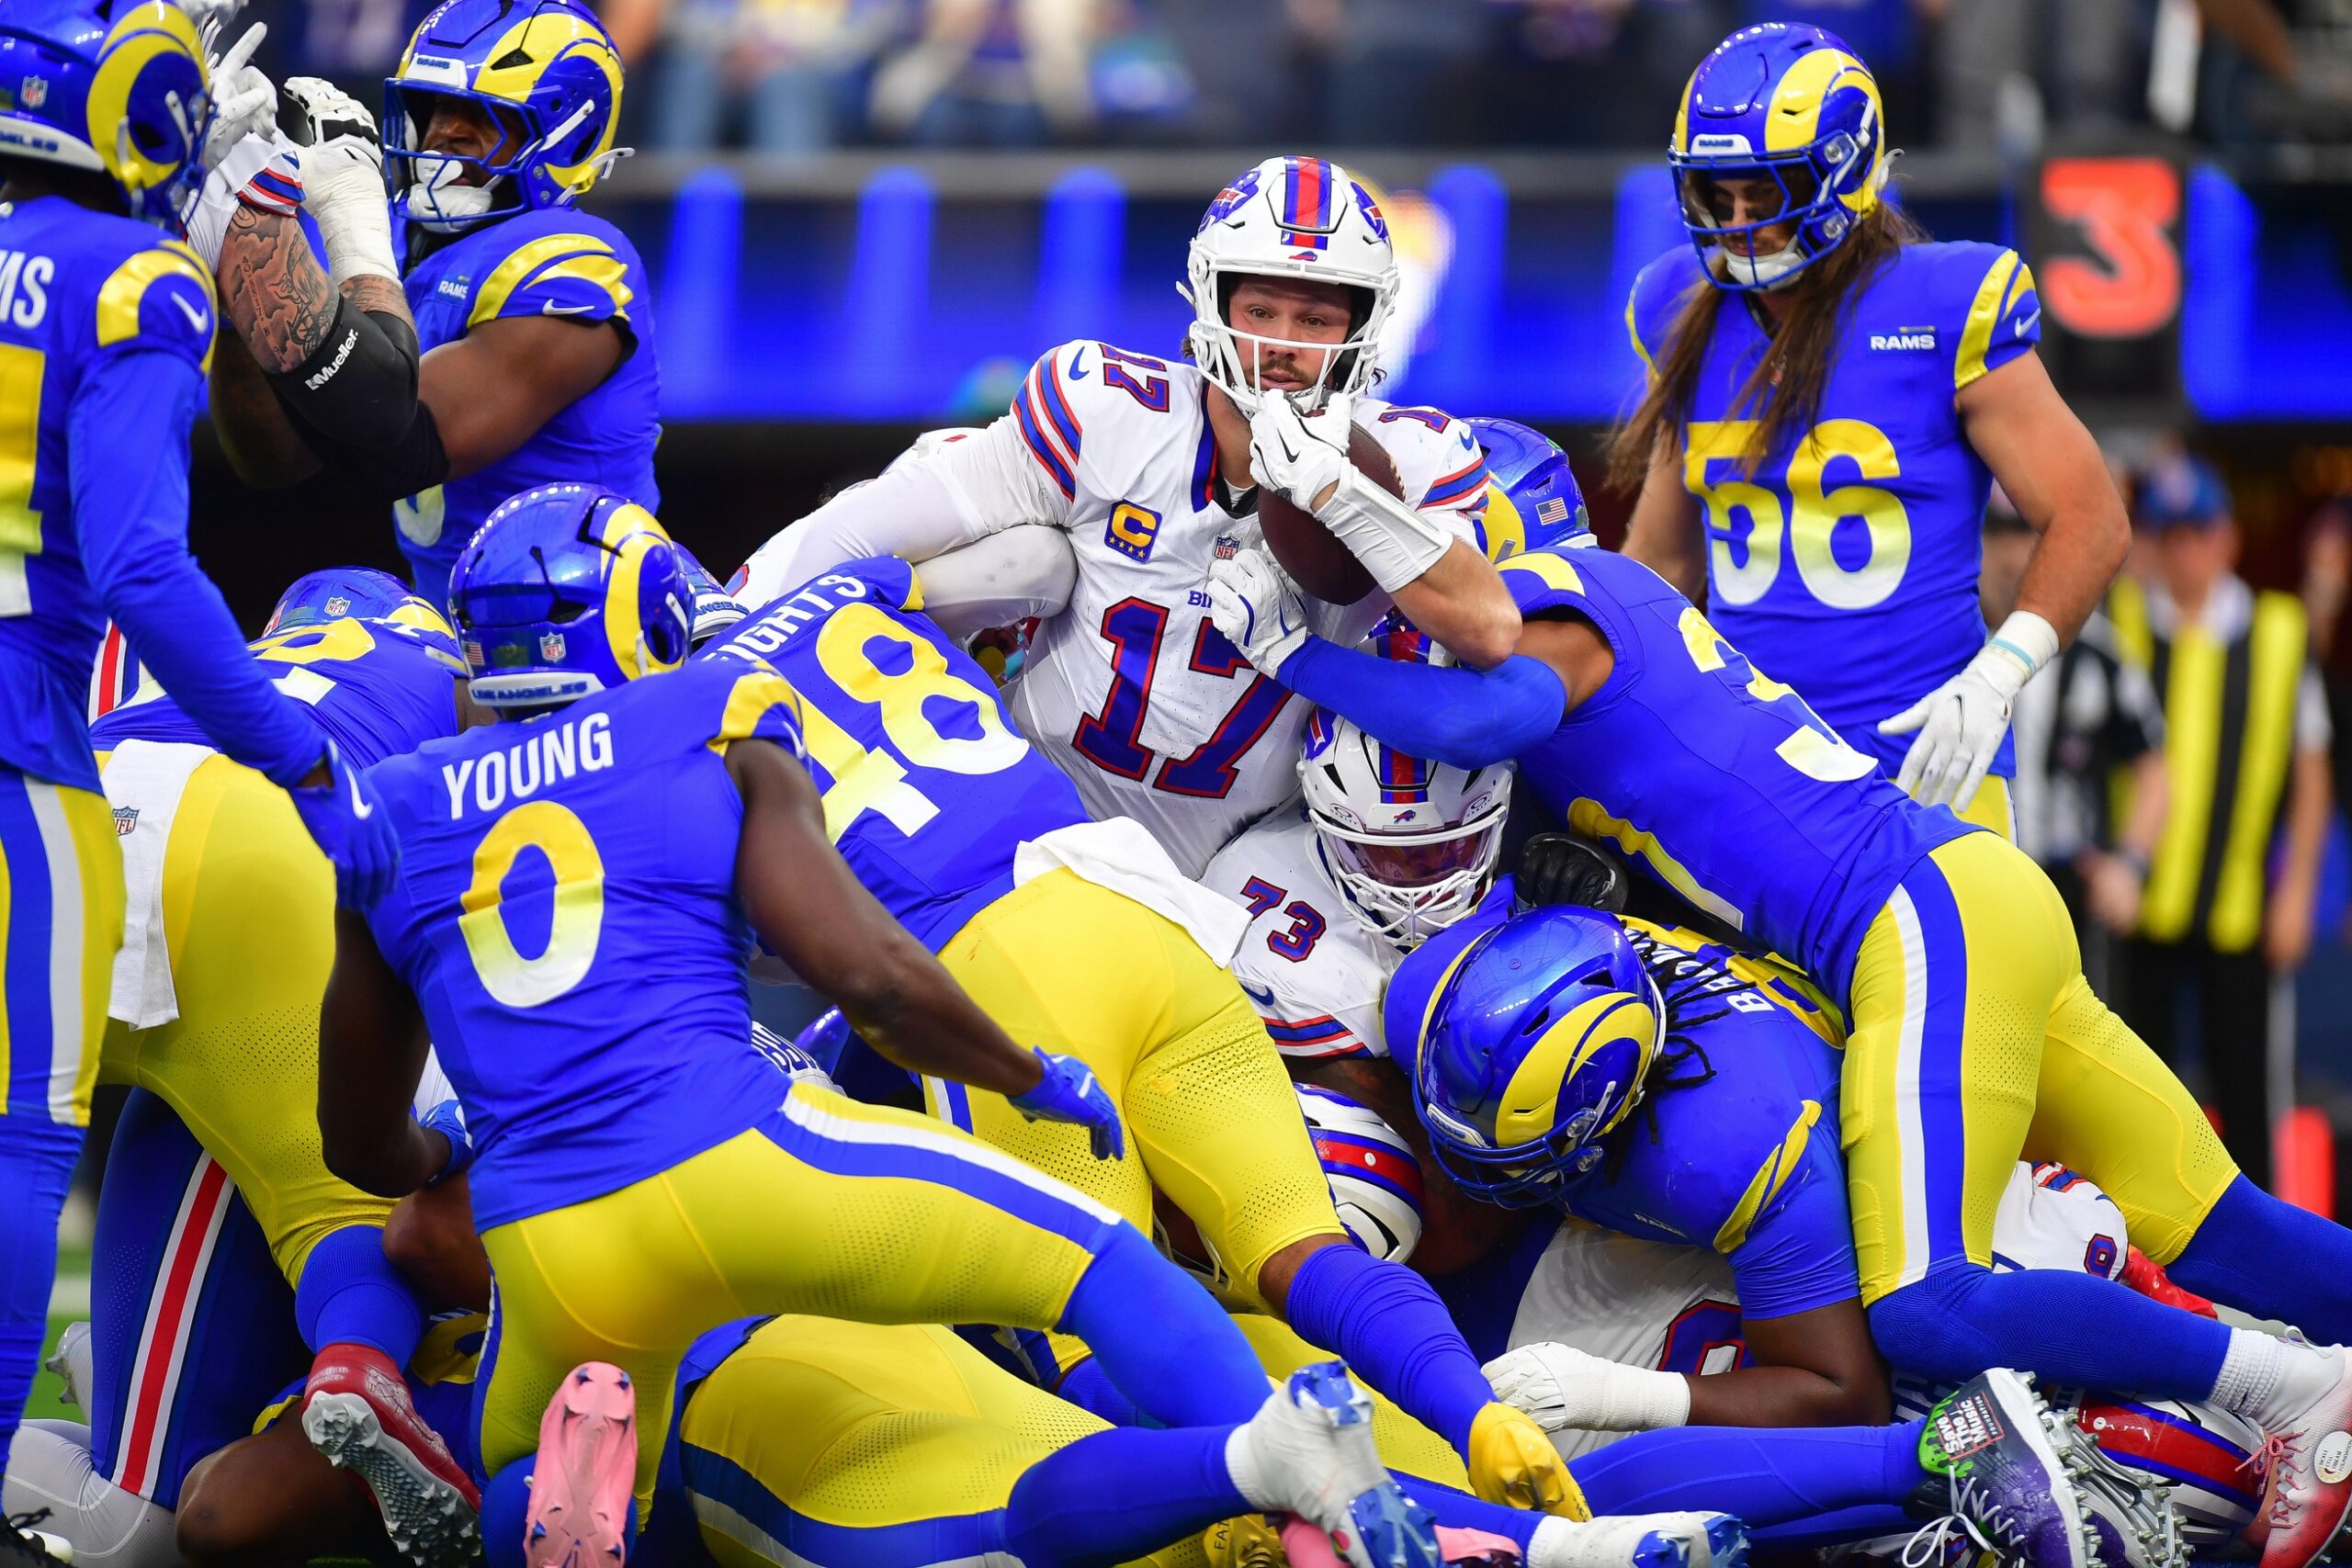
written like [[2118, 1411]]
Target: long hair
[[1785, 386]]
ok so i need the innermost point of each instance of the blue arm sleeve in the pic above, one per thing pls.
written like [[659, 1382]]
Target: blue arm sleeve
[[126, 436], [1459, 717]]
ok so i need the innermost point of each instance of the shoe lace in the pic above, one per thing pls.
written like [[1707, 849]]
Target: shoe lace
[[1984, 1520], [2275, 1449]]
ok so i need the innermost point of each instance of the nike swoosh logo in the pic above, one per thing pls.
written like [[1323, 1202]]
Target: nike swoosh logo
[[1284, 436], [549, 307], [194, 314], [359, 806], [1077, 366], [1264, 999], [2026, 323]]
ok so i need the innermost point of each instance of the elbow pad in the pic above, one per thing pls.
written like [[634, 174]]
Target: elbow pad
[[409, 464], [358, 389]]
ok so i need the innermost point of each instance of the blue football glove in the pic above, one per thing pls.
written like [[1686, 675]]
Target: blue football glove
[[1069, 1092], [351, 830], [450, 1121]]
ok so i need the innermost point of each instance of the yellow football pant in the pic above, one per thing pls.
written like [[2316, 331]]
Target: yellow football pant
[[1994, 808], [1975, 1042], [825, 1444], [249, 916], [830, 1208], [61, 921], [1211, 1117]]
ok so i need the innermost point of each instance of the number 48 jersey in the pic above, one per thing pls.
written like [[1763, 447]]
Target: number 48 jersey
[[1131, 691]]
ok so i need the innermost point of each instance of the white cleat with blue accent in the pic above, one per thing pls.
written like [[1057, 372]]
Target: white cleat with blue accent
[[1309, 1451]]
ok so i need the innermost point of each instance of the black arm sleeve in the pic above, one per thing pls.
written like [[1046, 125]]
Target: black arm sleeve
[[358, 388], [393, 461]]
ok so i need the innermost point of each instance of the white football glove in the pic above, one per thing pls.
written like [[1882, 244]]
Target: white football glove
[[1257, 609], [246, 161], [1564, 1388], [1961, 722], [343, 178], [244, 101], [1298, 456]]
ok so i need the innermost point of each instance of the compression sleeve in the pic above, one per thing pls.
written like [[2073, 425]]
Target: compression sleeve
[[1004, 578], [1465, 718], [132, 519], [924, 504]]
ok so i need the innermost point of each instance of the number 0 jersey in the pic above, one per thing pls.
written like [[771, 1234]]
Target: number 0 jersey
[[377, 690], [556, 262], [565, 912], [1717, 780], [1847, 565], [929, 790]]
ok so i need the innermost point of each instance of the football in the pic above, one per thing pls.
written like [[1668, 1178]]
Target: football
[[1316, 560]]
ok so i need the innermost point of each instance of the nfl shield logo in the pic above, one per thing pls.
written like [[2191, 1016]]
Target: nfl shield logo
[[126, 819], [551, 646], [338, 605], [1227, 547], [35, 91]]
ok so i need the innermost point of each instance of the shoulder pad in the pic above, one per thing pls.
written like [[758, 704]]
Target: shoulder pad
[[158, 298], [1987, 297], [568, 264], [1545, 580], [744, 699], [1437, 456], [1059, 392], [1657, 298]]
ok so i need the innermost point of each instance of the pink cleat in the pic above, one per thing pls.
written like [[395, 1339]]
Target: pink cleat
[[585, 1470], [2310, 1466]]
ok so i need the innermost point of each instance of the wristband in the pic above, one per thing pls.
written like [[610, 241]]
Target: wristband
[[1396, 543]]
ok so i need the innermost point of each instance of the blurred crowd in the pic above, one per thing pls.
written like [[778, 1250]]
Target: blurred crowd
[[802, 75], [2182, 772]]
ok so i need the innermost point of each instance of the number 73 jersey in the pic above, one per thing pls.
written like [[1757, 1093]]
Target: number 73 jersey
[[1846, 564], [1131, 691]]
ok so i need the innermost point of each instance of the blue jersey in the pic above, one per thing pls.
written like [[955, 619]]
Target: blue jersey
[[565, 913], [106, 332], [1746, 1162], [1717, 779], [556, 261], [929, 790], [379, 691], [1846, 564]]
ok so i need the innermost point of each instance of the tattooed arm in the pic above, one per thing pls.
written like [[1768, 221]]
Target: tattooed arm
[[273, 291]]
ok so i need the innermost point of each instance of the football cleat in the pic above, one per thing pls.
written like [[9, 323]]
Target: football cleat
[[1996, 1447], [1642, 1540], [2116, 1502], [2310, 1453], [71, 1363], [1309, 1448], [1249, 1541], [22, 1546], [357, 1412], [586, 1466]]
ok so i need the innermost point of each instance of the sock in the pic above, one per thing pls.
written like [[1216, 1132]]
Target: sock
[[1835, 1529], [1085, 1386], [1766, 1477], [2076, 1330], [1460, 1510], [506, 1501], [35, 1163], [1122, 1494], [351, 1294], [2270, 1258], [2271, 1381], [1390, 1326], [1161, 1339]]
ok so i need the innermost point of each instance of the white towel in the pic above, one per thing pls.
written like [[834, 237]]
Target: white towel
[[1121, 854], [145, 780]]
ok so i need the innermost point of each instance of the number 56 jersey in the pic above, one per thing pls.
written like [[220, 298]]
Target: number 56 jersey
[[1131, 691], [565, 912]]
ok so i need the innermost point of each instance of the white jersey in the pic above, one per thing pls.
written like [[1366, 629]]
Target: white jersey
[[1313, 972], [1129, 690]]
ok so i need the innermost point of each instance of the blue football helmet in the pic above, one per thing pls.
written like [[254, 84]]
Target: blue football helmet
[[114, 87], [1535, 1050], [1789, 102], [546, 73], [1533, 502], [715, 609], [363, 594], [565, 590]]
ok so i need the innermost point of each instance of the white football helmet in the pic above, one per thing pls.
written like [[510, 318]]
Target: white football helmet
[[1375, 1177], [1411, 842], [1292, 216]]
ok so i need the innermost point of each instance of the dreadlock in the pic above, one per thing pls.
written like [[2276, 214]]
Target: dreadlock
[[1685, 987]]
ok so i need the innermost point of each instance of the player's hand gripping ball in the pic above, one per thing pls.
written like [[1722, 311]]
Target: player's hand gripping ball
[[1295, 459]]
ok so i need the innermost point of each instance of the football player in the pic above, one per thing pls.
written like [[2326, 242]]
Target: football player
[[534, 317], [1970, 1026], [641, 1173], [1533, 502], [982, 848], [1151, 470], [1820, 370], [108, 329], [228, 941]]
